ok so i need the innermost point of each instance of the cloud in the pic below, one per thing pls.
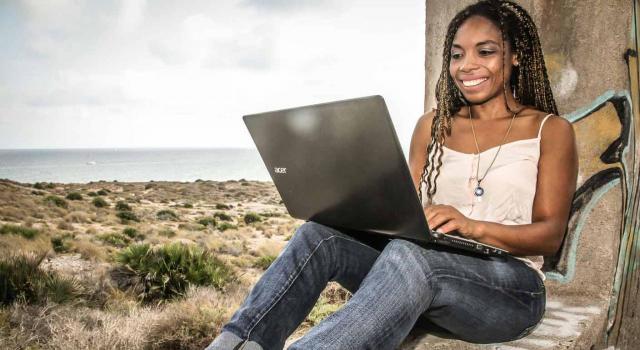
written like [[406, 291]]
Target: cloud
[[288, 5]]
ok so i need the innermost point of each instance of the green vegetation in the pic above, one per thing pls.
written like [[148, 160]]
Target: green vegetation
[[122, 206], [225, 226], [43, 185], [57, 201], [271, 214], [61, 243], [102, 192], [26, 232], [130, 232], [74, 196], [222, 216], [115, 239], [92, 194], [99, 202], [127, 216], [37, 193], [22, 279], [187, 205], [265, 261], [221, 206], [251, 217], [166, 272], [208, 221], [167, 214]]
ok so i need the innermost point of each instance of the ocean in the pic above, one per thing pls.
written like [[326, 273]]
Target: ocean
[[129, 165]]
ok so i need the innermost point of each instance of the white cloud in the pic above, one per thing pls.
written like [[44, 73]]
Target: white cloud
[[136, 73]]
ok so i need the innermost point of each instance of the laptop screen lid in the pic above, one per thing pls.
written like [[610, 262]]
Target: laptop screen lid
[[340, 164]]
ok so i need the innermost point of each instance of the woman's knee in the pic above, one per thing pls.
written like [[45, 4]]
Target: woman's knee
[[313, 231]]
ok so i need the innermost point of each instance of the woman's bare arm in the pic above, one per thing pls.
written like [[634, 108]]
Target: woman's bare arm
[[418, 148]]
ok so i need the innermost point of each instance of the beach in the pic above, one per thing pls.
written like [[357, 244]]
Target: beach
[[81, 235]]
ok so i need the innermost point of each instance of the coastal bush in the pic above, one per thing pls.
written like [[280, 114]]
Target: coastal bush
[[115, 239], [167, 271], [92, 194], [22, 279], [61, 243], [222, 216], [102, 192], [251, 217], [99, 202], [123, 206], [74, 196], [225, 226], [127, 216], [26, 232], [57, 201], [187, 205], [264, 261], [208, 221], [37, 193], [167, 214], [130, 232], [43, 185], [271, 214], [221, 206]]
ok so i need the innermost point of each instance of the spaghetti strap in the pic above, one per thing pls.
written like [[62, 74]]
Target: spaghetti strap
[[541, 124]]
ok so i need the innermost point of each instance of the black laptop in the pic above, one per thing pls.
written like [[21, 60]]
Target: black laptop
[[340, 164]]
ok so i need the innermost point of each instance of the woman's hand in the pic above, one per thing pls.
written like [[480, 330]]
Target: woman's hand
[[445, 218]]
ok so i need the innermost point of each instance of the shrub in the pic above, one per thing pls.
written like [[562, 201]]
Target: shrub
[[74, 196], [61, 243], [22, 279], [26, 232], [207, 221], [225, 226], [99, 202], [127, 216], [264, 261], [102, 192], [131, 232], [37, 193], [251, 217], [221, 206], [92, 194], [43, 185], [167, 214], [271, 214], [187, 205], [167, 271], [57, 201], [222, 216], [122, 206], [115, 239]]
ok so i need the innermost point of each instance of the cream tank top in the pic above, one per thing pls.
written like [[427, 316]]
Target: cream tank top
[[509, 186]]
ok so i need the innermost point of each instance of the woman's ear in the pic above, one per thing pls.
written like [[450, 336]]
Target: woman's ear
[[514, 59]]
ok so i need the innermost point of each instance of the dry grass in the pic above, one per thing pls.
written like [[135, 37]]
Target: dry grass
[[107, 317]]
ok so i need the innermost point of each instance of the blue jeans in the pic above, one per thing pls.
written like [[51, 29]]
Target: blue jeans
[[477, 298]]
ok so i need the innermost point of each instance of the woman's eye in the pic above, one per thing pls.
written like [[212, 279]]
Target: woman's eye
[[486, 52], [455, 56]]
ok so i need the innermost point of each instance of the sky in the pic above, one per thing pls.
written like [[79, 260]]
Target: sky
[[136, 73]]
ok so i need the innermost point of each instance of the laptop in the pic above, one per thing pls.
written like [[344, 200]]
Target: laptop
[[340, 164]]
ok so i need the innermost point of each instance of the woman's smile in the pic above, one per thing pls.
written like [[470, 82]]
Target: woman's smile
[[473, 84]]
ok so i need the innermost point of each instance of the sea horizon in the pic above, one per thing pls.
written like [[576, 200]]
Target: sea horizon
[[131, 164]]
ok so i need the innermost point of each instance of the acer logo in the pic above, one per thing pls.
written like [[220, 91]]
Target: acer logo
[[280, 170]]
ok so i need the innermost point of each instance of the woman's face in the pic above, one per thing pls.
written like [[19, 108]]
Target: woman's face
[[476, 60]]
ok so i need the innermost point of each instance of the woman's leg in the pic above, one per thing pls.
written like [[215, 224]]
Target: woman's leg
[[481, 299], [287, 291]]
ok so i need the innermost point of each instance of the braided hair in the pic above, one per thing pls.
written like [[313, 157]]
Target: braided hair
[[529, 79]]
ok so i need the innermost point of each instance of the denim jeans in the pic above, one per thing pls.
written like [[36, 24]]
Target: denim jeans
[[478, 299]]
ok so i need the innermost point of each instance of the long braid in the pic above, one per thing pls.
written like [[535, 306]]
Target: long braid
[[529, 79]]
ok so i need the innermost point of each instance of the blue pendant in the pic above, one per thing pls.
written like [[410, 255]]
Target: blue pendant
[[479, 191]]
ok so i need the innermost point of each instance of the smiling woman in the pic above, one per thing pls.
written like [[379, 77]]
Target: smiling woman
[[506, 181]]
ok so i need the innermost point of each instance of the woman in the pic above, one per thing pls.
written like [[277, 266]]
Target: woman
[[486, 169]]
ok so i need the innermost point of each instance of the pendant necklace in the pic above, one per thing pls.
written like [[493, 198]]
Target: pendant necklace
[[479, 191]]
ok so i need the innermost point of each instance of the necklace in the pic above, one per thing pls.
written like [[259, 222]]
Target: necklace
[[479, 191]]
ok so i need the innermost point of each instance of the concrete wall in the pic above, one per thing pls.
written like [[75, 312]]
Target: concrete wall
[[584, 43]]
